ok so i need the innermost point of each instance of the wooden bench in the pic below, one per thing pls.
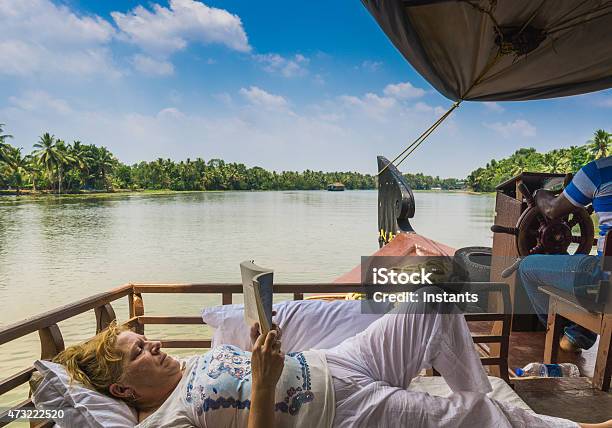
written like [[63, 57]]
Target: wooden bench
[[595, 315]]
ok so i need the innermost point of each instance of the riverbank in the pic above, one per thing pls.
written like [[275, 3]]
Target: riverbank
[[99, 193], [123, 192]]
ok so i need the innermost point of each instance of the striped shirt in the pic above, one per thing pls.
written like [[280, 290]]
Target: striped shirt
[[593, 184]]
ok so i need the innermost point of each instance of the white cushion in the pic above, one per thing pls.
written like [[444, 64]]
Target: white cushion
[[83, 407], [306, 324]]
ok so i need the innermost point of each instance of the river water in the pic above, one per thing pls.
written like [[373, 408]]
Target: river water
[[55, 251]]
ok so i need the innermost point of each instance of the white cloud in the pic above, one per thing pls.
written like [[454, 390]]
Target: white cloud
[[256, 128], [170, 113], [493, 106], [40, 101], [224, 98], [24, 58], [148, 65], [44, 22], [287, 67], [371, 66], [426, 108], [518, 127], [259, 97], [318, 80], [403, 91], [166, 30], [40, 37], [606, 102], [369, 100]]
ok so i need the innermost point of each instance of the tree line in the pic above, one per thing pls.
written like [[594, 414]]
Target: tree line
[[564, 160], [59, 167], [420, 181]]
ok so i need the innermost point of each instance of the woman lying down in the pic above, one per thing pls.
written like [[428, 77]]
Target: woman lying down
[[360, 383]]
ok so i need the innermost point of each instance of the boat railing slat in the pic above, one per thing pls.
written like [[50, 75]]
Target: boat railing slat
[[16, 380], [169, 320], [185, 343], [33, 324]]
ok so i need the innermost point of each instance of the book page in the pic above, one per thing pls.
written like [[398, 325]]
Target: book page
[[263, 291], [257, 289]]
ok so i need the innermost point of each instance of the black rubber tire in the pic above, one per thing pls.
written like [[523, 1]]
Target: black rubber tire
[[473, 263]]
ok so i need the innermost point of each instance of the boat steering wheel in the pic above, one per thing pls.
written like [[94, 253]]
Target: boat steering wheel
[[537, 234]]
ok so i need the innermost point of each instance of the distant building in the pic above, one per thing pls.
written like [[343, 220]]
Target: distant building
[[335, 187]]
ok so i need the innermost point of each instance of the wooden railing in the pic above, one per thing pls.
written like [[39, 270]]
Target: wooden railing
[[52, 342]]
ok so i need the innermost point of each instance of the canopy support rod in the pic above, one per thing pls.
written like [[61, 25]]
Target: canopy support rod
[[423, 136], [427, 133]]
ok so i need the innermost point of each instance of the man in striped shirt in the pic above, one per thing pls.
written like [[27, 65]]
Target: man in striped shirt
[[591, 185]]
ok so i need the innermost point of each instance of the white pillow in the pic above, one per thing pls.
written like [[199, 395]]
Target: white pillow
[[83, 407], [306, 324]]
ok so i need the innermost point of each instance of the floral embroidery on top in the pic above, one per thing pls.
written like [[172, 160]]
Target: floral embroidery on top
[[227, 359], [296, 397], [192, 376], [225, 403]]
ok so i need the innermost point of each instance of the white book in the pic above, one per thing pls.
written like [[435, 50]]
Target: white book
[[258, 291]]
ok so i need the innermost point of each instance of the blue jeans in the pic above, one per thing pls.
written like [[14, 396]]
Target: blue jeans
[[564, 272]]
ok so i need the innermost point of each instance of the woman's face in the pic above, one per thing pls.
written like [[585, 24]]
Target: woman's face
[[148, 373]]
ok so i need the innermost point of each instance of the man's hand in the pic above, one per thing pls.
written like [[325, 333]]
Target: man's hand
[[267, 361], [552, 206]]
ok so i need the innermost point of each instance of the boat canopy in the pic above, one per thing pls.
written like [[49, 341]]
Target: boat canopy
[[503, 50]]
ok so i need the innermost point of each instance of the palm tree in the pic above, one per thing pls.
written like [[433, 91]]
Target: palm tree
[[18, 166], [599, 143], [51, 156], [80, 159], [65, 161], [4, 146], [104, 163], [33, 168], [554, 162]]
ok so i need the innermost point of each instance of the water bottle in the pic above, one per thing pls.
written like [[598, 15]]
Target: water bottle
[[549, 370]]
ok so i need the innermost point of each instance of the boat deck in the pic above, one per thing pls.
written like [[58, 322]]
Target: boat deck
[[570, 398]]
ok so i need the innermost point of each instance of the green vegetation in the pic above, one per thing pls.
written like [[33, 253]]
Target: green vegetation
[[57, 167], [558, 161], [427, 182]]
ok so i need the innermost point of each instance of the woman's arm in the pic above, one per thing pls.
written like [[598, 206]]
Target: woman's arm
[[267, 362]]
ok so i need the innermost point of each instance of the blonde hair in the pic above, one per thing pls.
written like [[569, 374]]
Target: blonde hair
[[97, 363]]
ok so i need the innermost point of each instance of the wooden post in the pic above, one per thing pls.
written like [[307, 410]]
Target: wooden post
[[51, 342], [603, 363], [131, 305], [227, 298], [554, 329], [138, 311], [104, 316]]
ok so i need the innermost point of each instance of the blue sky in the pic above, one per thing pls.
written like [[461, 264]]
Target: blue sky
[[283, 85]]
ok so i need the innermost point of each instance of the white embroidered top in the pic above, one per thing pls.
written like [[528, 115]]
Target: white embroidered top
[[215, 391]]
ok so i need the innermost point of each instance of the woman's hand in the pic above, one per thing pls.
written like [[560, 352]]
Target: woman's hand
[[256, 331], [267, 361]]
